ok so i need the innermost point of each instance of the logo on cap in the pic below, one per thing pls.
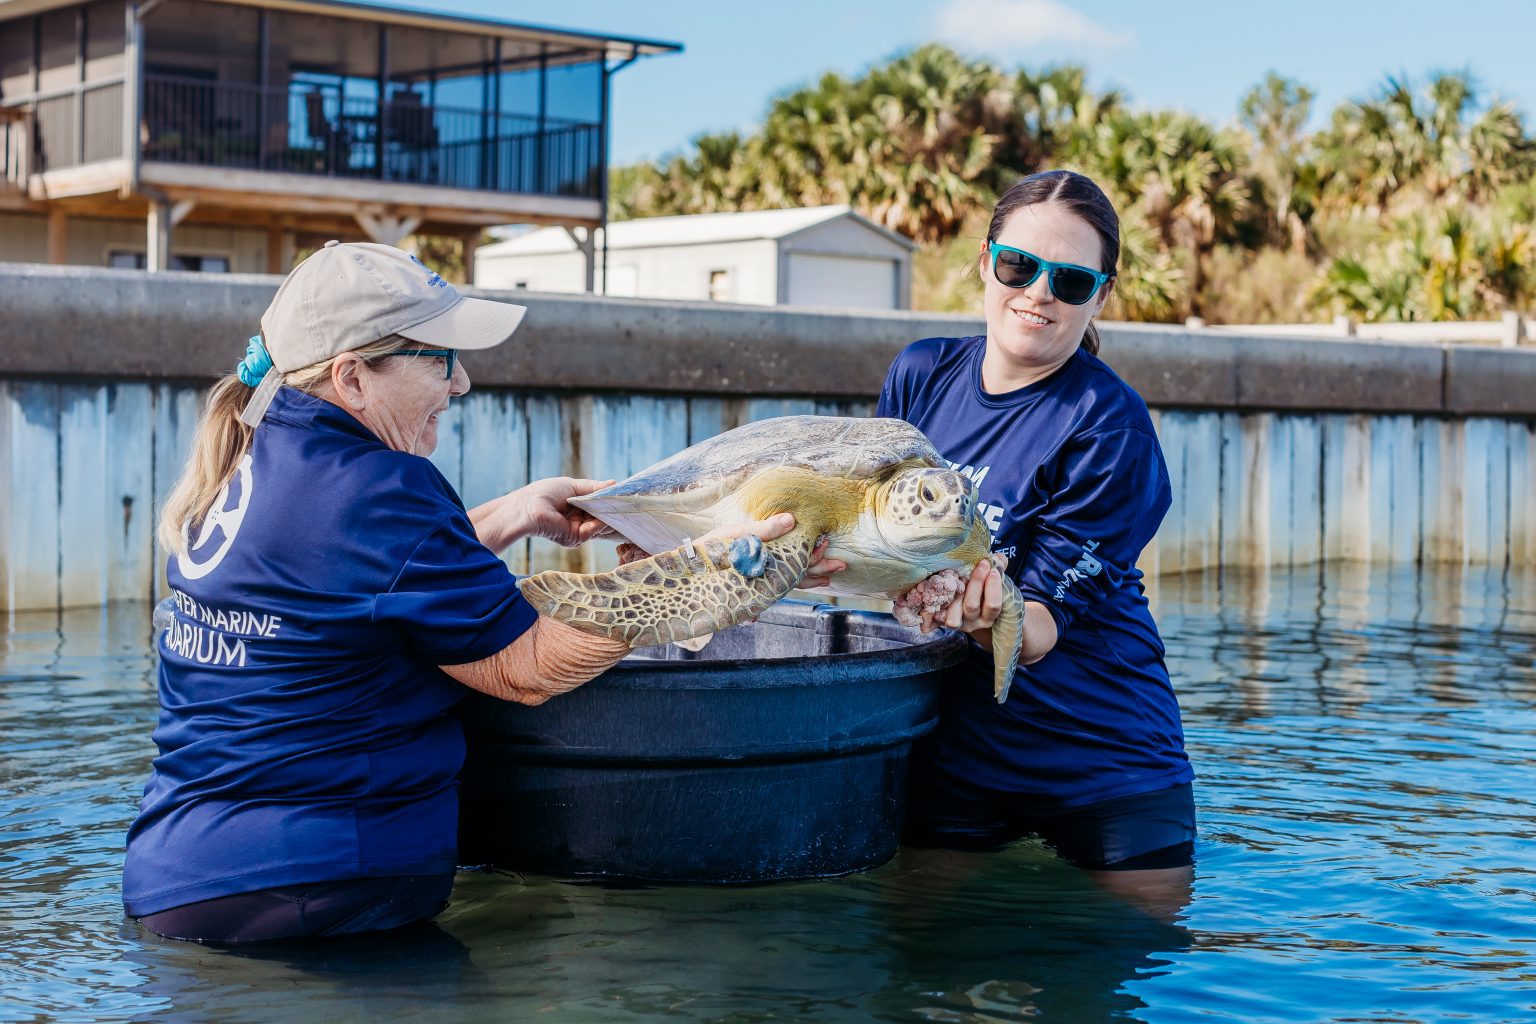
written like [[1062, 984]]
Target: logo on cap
[[432, 278]]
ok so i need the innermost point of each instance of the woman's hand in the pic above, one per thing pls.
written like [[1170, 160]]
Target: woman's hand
[[772, 528], [541, 509], [976, 607]]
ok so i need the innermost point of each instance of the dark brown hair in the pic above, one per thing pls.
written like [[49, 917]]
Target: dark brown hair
[[1081, 196]]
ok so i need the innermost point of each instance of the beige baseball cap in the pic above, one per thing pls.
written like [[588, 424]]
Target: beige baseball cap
[[350, 294]]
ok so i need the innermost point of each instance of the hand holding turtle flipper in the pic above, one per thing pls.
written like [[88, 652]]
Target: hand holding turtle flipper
[[977, 607], [540, 509], [991, 609], [818, 575], [822, 568], [551, 516]]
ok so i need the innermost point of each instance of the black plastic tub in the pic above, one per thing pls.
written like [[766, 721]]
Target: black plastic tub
[[778, 751]]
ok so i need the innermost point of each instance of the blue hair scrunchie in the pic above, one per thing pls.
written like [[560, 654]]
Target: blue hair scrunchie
[[255, 364]]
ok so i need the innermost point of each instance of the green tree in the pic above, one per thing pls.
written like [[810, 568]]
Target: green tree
[[1455, 263], [908, 145], [634, 190], [1275, 114], [1404, 150], [1412, 204], [1181, 176], [1046, 114]]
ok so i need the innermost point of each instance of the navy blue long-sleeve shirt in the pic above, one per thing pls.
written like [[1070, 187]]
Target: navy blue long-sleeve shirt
[[1073, 485]]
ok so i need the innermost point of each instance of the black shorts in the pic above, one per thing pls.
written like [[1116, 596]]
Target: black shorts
[[307, 911], [1128, 833]]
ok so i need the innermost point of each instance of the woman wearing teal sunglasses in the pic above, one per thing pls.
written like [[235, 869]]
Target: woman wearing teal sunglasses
[[1087, 753]]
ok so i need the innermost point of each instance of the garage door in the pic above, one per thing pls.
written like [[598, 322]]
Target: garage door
[[841, 281]]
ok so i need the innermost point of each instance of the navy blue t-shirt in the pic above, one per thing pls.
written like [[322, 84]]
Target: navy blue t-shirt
[[303, 732], [1072, 483]]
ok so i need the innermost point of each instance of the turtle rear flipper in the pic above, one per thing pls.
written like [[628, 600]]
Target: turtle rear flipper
[[1007, 638], [674, 595]]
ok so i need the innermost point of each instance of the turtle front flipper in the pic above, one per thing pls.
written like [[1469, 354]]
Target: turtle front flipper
[[678, 594], [1007, 638]]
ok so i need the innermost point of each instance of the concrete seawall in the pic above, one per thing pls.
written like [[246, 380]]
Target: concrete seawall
[[1283, 451], [121, 325]]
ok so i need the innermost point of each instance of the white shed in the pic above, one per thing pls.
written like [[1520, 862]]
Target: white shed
[[816, 256]]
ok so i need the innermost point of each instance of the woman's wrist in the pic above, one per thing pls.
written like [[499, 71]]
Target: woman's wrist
[[499, 523]]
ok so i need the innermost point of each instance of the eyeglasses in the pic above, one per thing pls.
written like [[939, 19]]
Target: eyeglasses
[[450, 357], [1072, 284]]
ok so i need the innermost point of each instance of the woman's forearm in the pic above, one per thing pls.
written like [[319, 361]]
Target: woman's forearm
[[497, 525], [549, 659]]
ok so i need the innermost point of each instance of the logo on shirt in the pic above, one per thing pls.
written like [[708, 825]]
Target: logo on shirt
[[220, 525], [991, 514], [1085, 567]]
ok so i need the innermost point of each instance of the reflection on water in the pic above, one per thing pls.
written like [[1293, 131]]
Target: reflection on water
[[1363, 743]]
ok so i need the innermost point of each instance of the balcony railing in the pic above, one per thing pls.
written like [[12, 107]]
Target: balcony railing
[[15, 148], [403, 140], [80, 125]]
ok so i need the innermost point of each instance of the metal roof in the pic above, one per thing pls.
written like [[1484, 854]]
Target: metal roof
[[615, 47], [690, 229]]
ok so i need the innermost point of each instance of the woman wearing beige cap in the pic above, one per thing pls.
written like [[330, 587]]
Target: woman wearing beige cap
[[332, 597]]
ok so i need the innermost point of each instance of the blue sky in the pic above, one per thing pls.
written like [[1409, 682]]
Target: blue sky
[[1197, 56]]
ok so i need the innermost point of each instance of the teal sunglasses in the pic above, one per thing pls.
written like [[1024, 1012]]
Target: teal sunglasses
[[450, 357], [1072, 284]]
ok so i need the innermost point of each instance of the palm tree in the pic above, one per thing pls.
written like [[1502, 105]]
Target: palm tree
[[1275, 113], [1432, 265], [808, 150], [1150, 286], [1507, 252], [925, 142], [635, 191], [1180, 175], [716, 176], [1048, 113], [1403, 150]]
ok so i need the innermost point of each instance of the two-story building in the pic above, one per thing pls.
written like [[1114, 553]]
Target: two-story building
[[225, 134]]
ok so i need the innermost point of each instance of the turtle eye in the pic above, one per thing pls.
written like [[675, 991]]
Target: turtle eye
[[927, 493]]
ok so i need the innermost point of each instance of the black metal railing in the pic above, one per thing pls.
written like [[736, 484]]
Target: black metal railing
[[306, 131]]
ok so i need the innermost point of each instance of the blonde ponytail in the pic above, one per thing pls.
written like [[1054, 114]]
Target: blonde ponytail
[[217, 447], [221, 441]]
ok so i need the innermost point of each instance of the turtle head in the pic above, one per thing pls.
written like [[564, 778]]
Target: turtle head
[[925, 511]]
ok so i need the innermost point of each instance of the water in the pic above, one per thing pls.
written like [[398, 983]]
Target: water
[[1364, 744]]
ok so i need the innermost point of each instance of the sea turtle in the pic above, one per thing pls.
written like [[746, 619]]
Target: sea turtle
[[888, 505]]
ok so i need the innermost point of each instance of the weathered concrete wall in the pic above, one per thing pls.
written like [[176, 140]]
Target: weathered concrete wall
[[80, 321], [1281, 451]]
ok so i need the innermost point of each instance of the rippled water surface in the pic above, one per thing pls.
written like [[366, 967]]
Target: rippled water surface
[[1367, 799]]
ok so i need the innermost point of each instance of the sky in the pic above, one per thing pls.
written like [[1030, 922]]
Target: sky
[[1195, 56]]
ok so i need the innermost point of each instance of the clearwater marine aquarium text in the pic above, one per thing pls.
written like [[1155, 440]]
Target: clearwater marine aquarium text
[[216, 636]]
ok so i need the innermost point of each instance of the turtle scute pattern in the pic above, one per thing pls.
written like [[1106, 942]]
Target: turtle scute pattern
[[668, 597], [849, 447]]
